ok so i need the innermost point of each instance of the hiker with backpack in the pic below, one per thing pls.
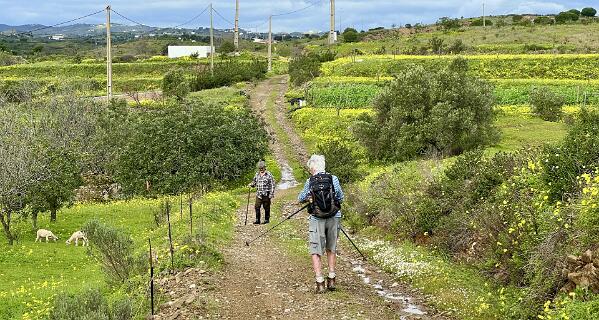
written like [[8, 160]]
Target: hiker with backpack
[[324, 193], [264, 182]]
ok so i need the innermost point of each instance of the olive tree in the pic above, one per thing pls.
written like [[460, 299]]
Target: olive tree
[[429, 113]]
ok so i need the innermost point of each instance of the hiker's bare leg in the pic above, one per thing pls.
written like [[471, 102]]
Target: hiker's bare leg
[[317, 265], [332, 259]]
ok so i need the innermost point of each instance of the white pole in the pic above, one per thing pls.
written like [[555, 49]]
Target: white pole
[[270, 43], [211, 42], [236, 37], [484, 18], [108, 55], [332, 32]]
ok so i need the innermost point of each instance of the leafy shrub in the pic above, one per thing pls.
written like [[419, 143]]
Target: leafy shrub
[[564, 17], [174, 84], [546, 104], [448, 23], [90, 305], [189, 145], [304, 68], [479, 23], [18, 91], [587, 219], [588, 12], [578, 154], [537, 47], [543, 20], [227, 73], [437, 45], [7, 59], [457, 47], [115, 250], [425, 113], [226, 47], [340, 158], [350, 35], [127, 58], [575, 11]]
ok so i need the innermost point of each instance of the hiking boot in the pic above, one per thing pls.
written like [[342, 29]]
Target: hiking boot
[[320, 288], [331, 284], [265, 222], [257, 222]]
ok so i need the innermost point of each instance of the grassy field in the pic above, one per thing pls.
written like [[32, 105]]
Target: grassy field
[[33, 273]]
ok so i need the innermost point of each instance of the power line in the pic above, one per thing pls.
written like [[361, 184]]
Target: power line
[[58, 24], [225, 19], [192, 19], [130, 20], [298, 10]]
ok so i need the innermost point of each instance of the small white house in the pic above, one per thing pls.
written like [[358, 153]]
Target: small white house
[[57, 37], [186, 51]]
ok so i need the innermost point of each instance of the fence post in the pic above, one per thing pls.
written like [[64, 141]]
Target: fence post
[[151, 276], [191, 216], [170, 236]]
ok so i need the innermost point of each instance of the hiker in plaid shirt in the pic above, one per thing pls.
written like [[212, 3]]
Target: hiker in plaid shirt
[[264, 182]]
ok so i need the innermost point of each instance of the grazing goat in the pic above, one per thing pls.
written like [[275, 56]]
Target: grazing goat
[[78, 235], [43, 233]]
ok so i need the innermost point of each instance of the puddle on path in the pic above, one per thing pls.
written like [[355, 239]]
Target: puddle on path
[[387, 293], [287, 179]]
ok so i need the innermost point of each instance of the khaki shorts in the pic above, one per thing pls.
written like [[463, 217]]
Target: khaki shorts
[[323, 235]]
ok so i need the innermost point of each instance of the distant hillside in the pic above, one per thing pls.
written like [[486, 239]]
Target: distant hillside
[[85, 30], [503, 34]]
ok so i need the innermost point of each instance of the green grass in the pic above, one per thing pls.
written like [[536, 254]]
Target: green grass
[[31, 274], [523, 130]]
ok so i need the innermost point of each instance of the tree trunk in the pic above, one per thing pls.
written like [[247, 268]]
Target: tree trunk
[[5, 219], [53, 215], [34, 220]]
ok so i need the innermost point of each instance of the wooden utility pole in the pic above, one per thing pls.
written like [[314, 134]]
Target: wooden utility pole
[[108, 55], [484, 18], [270, 43], [211, 42], [236, 36], [332, 31]]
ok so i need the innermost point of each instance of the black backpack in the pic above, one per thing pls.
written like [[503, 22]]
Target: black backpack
[[324, 205]]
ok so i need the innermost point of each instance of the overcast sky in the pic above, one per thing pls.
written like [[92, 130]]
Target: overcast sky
[[354, 13]]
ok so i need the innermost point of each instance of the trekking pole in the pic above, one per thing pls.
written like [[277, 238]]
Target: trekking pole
[[350, 240], [247, 243], [247, 208]]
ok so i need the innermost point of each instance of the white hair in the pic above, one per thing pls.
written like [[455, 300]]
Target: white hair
[[316, 163]]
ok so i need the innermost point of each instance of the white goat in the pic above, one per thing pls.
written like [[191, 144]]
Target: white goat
[[78, 235], [43, 233]]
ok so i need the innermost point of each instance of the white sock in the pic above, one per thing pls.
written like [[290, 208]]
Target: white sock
[[331, 275], [319, 279]]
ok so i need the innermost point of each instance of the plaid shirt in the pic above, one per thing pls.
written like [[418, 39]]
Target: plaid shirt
[[265, 184]]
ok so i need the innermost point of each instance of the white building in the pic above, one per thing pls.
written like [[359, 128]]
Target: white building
[[186, 51], [57, 37]]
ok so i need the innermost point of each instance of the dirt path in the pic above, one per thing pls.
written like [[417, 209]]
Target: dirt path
[[273, 278], [268, 280], [273, 91]]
